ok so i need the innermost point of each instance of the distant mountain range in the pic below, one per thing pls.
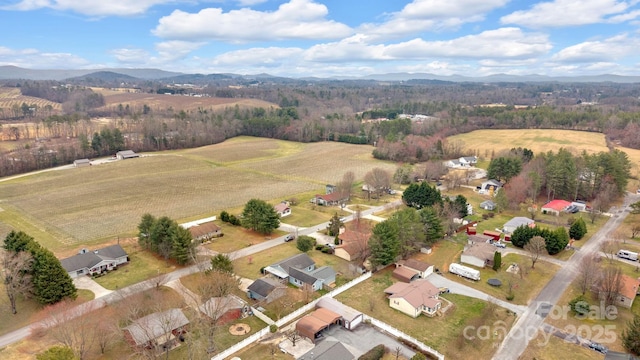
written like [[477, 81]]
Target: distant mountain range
[[122, 74]]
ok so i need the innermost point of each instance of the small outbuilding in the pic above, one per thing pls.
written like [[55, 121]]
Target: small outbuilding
[[310, 326], [126, 154], [405, 274], [157, 330], [82, 163], [350, 317], [223, 310], [488, 205], [266, 289]]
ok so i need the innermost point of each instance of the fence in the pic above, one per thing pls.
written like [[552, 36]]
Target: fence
[[285, 320], [400, 335]]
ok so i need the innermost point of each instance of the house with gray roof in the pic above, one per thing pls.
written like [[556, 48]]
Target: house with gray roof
[[488, 205], [266, 289], [511, 225], [300, 270], [157, 329], [126, 154], [328, 350], [95, 262]]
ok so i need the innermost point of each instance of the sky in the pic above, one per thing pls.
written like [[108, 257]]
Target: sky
[[326, 38]]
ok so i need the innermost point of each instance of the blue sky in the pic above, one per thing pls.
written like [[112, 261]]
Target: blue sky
[[325, 38]]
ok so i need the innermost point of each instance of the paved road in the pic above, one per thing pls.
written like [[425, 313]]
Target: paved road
[[527, 326], [114, 296]]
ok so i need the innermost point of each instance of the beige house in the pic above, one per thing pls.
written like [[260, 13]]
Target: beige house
[[478, 254], [422, 268], [353, 244], [414, 298]]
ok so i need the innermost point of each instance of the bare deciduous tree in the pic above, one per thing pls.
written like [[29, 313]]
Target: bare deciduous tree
[[70, 326], [587, 272], [346, 184], [377, 180], [434, 170], [610, 248], [635, 230], [17, 279], [610, 284], [293, 336], [536, 248]]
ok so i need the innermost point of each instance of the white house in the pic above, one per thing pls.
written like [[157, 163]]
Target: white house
[[95, 262], [283, 209], [511, 225]]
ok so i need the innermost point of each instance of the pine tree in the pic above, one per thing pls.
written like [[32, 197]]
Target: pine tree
[[144, 230], [497, 260], [432, 225], [260, 216], [51, 282], [631, 336], [578, 229], [384, 244], [183, 248]]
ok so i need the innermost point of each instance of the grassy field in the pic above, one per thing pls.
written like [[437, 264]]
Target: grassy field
[[634, 157], [484, 142], [66, 209], [441, 332]]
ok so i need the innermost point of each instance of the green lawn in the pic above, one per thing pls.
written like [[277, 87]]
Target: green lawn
[[142, 265], [301, 216]]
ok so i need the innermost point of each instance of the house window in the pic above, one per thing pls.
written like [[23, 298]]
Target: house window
[[396, 302]]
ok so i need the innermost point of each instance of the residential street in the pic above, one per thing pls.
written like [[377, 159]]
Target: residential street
[[114, 296], [527, 326]]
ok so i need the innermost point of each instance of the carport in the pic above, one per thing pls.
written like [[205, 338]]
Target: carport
[[312, 325]]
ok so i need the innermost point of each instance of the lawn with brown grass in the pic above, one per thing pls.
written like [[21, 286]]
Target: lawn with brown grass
[[63, 209], [538, 140], [443, 333], [237, 237], [262, 351], [548, 347], [634, 158]]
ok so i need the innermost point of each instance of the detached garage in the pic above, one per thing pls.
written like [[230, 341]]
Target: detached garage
[[350, 317]]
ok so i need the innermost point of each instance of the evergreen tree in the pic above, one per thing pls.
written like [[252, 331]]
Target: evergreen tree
[[504, 168], [384, 244], [631, 336], [144, 230], [222, 263], [260, 216], [305, 243], [411, 233], [161, 238], [333, 229], [183, 249], [521, 235], [422, 195], [17, 241], [432, 225], [51, 282], [497, 260], [578, 229], [461, 204]]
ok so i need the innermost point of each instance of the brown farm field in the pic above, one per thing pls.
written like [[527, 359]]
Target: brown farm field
[[177, 102], [12, 96], [64, 209], [484, 142]]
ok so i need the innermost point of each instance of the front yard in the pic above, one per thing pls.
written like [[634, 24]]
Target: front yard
[[443, 333]]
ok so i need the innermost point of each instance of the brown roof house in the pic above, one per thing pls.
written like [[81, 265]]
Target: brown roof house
[[353, 244], [629, 288], [479, 255], [283, 209], [158, 330], [422, 268], [414, 298], [205, 231]]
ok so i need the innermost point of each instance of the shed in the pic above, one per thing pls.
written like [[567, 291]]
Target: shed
[[126, 154], [156, 329], [488, 205], [224, 309], [311, 325], [266, 289], [81, 162]]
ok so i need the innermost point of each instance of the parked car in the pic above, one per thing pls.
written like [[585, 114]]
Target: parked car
[[499, 245], [598, 347], [572, 209], [391, 192], [288, 238], [444, 290]]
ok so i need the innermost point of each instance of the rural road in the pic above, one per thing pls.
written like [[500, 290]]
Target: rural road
[[527, 326], [114, 296]]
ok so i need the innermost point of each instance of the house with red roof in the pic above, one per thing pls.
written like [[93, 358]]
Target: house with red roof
[[628, 291], [555, 207]]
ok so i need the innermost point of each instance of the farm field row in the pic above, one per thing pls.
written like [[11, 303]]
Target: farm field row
[[77, 206]]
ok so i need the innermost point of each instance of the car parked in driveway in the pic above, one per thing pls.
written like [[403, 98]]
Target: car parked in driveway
[[288, 238]]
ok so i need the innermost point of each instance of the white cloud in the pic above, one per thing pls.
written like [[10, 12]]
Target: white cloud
[[560, 13], [91, 7], [268, 57], [613, 48], [250, 2], [130, 56], [501, 43], [35, 59], [435, 15], [297, 19], [354, 48]]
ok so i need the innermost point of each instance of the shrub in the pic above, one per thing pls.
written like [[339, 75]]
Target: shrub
[[492, 214], [319, 247], [579, 305], [376, 353], [336, 241], [510, 297], [233, 220], [224, 216], [419, 356], [273, 328], [485, 216]]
